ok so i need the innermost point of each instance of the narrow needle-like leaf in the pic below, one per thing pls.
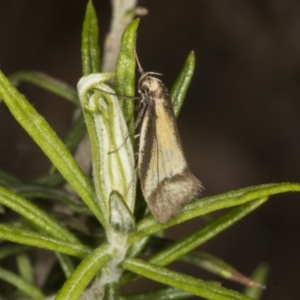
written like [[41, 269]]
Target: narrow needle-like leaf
[[35, 215], [83, 274], [21, 284], [90, 53], [199, 237], [48, 83], [260, 274], [125, 71], [37, 127], [182, 83], [205, 233], [210, 204], [30, 238], [187, 283]]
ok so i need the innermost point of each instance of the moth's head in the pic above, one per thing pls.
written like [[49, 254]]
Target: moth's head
[[148, 83]]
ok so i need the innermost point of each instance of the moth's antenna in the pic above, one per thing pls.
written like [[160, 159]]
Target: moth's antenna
[[138, 62]]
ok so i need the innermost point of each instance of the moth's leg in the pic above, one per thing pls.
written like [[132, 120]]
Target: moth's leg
[[137, 123], [123, 143]]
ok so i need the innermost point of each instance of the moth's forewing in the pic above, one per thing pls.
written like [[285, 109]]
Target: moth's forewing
[[166, 180]]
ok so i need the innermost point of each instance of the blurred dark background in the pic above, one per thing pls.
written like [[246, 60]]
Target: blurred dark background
[[240, 124]]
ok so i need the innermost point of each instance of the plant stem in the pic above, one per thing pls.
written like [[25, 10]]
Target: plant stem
[[122, 15]]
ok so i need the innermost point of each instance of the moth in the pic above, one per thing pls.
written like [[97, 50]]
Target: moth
[[166, 180]]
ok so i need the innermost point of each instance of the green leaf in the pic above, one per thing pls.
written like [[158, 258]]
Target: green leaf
[[219, 267], [12, 249], [35, 215], [48, 193], [182, 83], [83, 274], [48, 83], [90, 53], [30, 238], [8, 180], [125, 72], [204, 234], [66, 264], [53, 179], [72, 139], [260, 274], [160, 294], [21, 285], [59, 88], [180, 281], [76, 133], [41, 132], [209, 204], [25, 267], [183, 247]]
